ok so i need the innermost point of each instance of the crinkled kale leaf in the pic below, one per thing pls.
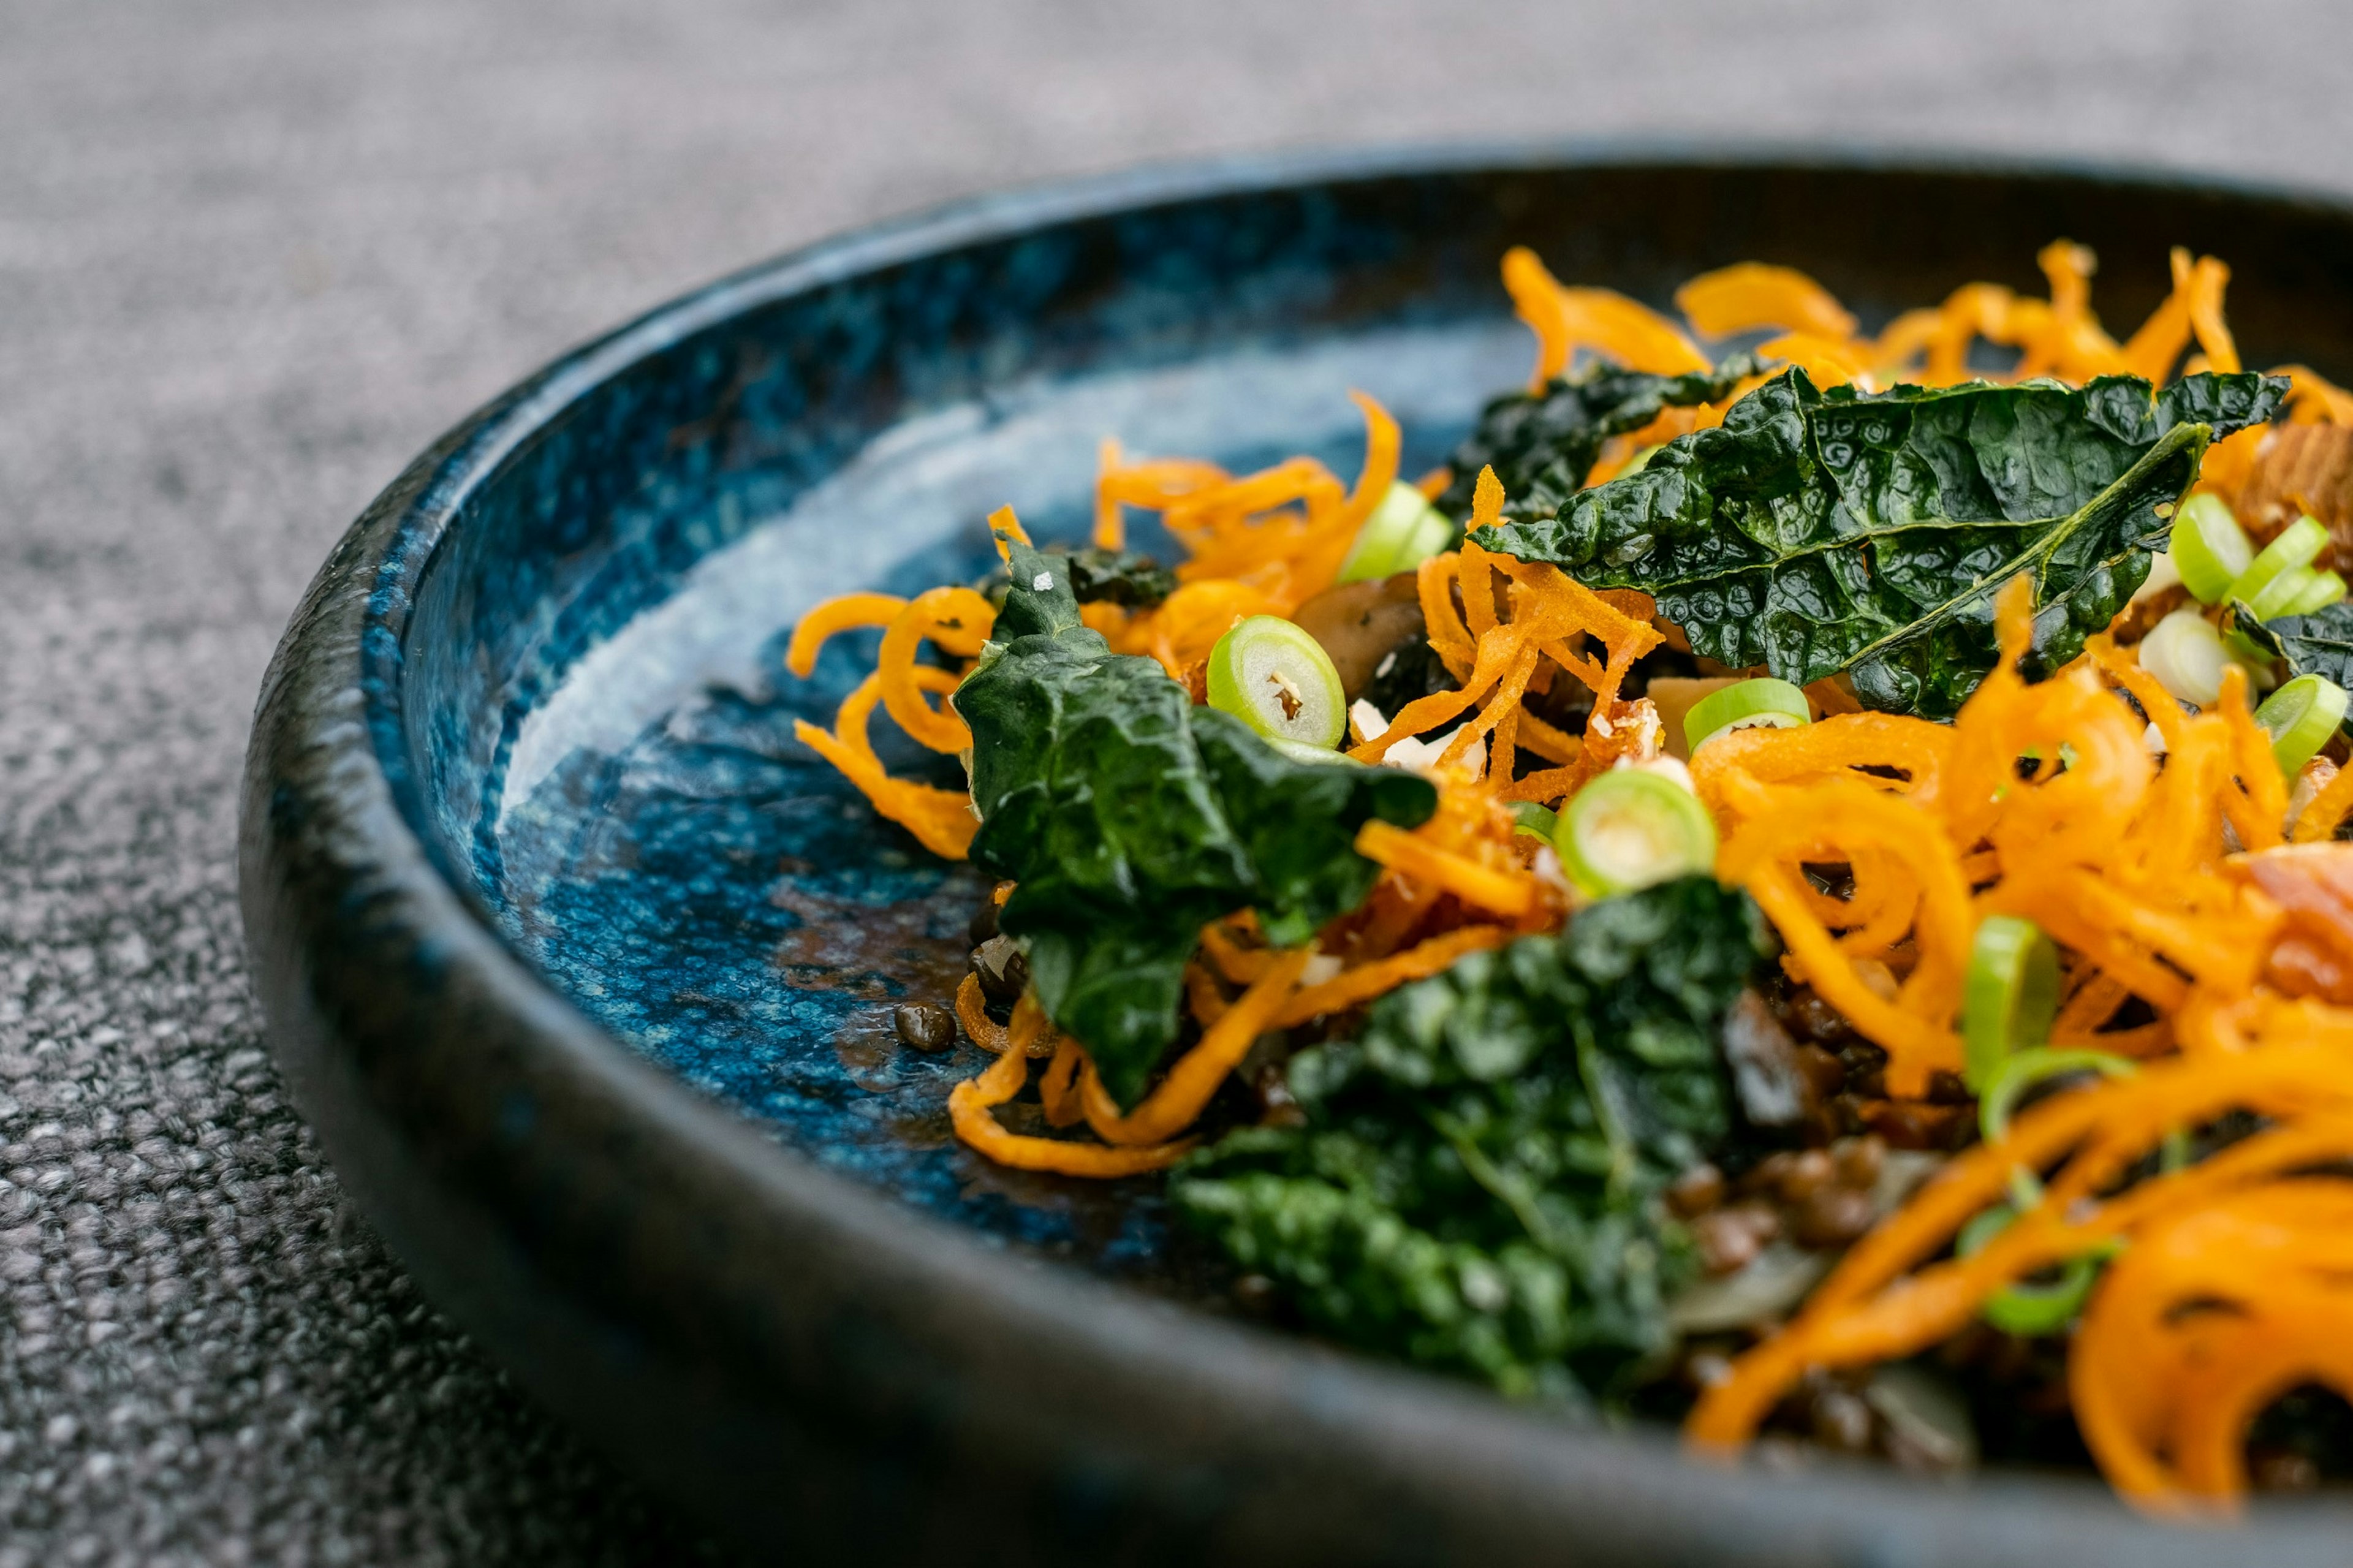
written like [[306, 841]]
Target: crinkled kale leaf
[[1476, 1185], [1543, 444], [2317, 644], [1820, 531], [1121, 577], [1127, 578], [1130, 818]]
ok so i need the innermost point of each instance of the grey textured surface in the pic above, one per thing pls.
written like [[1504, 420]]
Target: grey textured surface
[[255, 253]]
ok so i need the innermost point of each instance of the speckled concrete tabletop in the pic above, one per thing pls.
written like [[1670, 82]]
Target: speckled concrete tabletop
[[254, 253]]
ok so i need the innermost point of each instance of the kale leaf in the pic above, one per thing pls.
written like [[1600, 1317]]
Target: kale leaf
[[2317, 644], [1129, 818], [1544, 443], [1127, 578], [1820, 531], [1122, 577], [1475, 1185]]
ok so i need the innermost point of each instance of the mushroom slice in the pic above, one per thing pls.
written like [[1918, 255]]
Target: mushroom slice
[[2302, 469], [1361, 623]]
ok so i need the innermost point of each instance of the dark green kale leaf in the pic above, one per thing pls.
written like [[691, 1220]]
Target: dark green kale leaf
[[2317, 644], [1546, 442], [1130, 819], [1475, 1188], [1814, 532], [1124, 577]]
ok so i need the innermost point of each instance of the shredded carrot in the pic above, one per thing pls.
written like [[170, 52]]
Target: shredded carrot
[[2214, 339], [1185, 1092], [1111, 522], [1356, 986], [1400, 851], [1566, 320], [1750, 295], [1004, 527], [972, 1011], [2312, 399], [1837, 820], [958, 620], [1058, 1092], [941, 818], [970, 1105], [2324, 814], [809, 634]]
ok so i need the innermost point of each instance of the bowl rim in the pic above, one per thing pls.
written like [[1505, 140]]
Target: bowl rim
[[332, 864]]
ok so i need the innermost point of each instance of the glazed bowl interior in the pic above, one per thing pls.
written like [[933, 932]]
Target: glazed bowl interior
[[578, 698]]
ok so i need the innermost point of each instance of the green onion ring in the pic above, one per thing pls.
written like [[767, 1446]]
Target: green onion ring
[[2300, 717], [2010, 997], [2210, 550], [1749, 704], [1632, 828], [2298, 544], [1278, 679]]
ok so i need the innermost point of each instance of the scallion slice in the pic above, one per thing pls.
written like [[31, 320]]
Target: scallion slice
[[2028, 1308], [1535, 821], [1433, 535], [2210, 550], [1397, 537], [2031, 1308], [2186, 655], [1300, 752], [1279, 680], [1749, 705], [2010, 998], [1632, 828], [2324, 589], [2298, 544], [2020, 1071], [2281, 596], [2301, 715]]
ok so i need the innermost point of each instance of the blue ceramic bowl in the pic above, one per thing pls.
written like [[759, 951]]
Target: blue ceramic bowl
[[584, 967]]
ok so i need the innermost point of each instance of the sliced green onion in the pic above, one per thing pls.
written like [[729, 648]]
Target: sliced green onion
[[1300, 752], [1535, 821], [1982, 1227], [2301, 715], [2186, 655], [2024, 1069], [2324, 590], [1397, 537], [1632, 828], [1433, 535], [2029, 1309], [2280, 596], [2010, 998], [1279, 680], [2046, 1308], [2298, 544], [1751, 704], [2210, 550]]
